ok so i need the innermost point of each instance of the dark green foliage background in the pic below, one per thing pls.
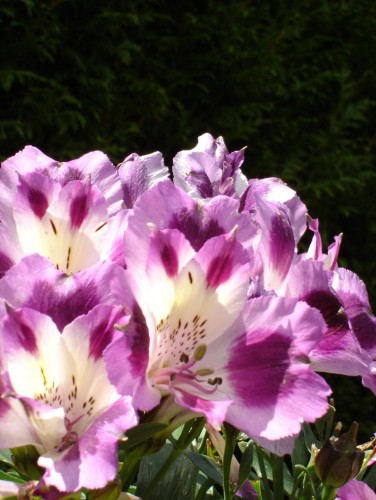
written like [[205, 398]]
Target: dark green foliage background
[[292, 80]]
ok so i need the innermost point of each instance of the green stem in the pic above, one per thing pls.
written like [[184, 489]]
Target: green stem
[[308, 475], [277, 467]]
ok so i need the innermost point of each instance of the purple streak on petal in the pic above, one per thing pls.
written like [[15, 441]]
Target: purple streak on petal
[[170, 260], [139, 341], [5, 264], [103, 332], [281, 242], [139, 173], [268, 360], [221, 267], [38, 202], [201, 181], [71, 174], [24, 333], [79, 209]]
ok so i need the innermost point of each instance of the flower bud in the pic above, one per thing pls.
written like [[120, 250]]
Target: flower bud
[[339, 460]]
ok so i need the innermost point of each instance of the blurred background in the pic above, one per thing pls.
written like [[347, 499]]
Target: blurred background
[[294, 81]]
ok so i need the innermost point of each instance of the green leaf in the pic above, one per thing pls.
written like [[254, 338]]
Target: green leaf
[[206, 465], [6, 457], [140, 433], [9, 477], [179, 481], [246, 463]]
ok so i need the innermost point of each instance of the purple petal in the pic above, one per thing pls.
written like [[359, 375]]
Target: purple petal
[[35, 192], [355, 490], [92, 462], [37, 284], [353, 294], [277, 246], [268, 374], [274, 190], [209, 169], [139, 173], [168, 207]]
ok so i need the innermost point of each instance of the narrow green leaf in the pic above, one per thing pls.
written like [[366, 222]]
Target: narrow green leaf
[[206, 465], [9, 477], [246, 463]]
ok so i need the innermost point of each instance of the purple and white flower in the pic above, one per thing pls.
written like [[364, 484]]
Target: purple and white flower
[[196, 336], [57, 397]]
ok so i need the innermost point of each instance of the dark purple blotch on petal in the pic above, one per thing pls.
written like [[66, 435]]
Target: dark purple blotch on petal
[[25, 334], [27, 338], [37, 201], [219, 270], [282, 243], [138, 334], [5, 264], [196, 230], [201, 181], [63, 309], [169, 260], [364, 327], [78, 210], [329, 306], [258, 372]]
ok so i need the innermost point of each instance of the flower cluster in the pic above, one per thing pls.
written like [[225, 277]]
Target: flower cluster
[[125, 293]]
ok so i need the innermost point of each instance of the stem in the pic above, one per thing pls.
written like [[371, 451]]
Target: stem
[[277, 467], [308, 475]]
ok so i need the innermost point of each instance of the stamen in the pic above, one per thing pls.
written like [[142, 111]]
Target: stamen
[[184, 358], [204, 372], [199, 352]]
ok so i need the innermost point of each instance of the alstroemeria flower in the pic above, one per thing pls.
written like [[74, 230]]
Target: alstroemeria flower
[[339, 351], [93, 168], [209, 169], [197, 337], [57, 397], [280, 217], [348, 345], [69, 224]]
